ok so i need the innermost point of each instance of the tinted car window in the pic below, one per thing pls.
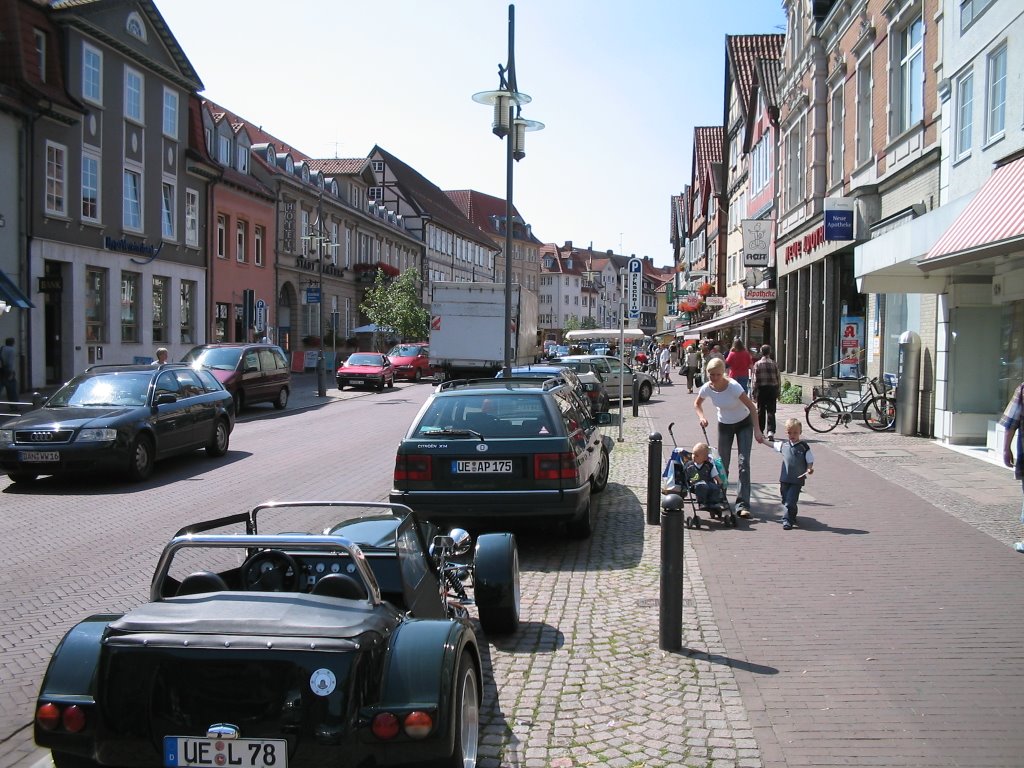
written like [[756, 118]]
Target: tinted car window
[[272, 359], [251, 361], [188, 383], [208, 380], [167, 384], [505, 416], [225, 358]]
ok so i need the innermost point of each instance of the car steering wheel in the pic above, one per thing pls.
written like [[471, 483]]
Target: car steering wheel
[[270, 570]]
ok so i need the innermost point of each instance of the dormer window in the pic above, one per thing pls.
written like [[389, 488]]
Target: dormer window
[[289, 164], [224, 150], [135, 27], [271, 154]]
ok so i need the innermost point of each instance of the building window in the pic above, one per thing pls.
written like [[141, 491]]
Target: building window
[[836, 137], [375, 193], [188, 311], [224, 150], [334, 242], [240, 236], [132, 95], [306, 231], [191, 218], [377, 166], [161, 286], [348, 247], [908, 95], [92, 74], [130, 307], [135, 26], [168, 224], [95, 304], [40, 40], [242, 154], [170, 113], [56, 173], [132, 199], [795, 165], [257, 253], [971, 10], [864, 111], [222, 236], [90, 187], [995, 121], [964, 114]]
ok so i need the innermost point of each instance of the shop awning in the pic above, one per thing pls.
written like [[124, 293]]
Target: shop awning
[[992, 224], [747, 313], [12, 294]]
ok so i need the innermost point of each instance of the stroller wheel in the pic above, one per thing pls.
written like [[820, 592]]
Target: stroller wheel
[[732, 521], [696, 522]]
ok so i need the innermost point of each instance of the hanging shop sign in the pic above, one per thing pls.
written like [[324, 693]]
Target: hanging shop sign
[[760, 294], [839, 214], [757, 238]]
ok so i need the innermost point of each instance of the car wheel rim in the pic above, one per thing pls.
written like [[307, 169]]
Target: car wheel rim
[[141, 457], [469, 720], [222, 437]]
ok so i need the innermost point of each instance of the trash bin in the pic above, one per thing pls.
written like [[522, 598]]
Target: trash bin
[[908, 394]]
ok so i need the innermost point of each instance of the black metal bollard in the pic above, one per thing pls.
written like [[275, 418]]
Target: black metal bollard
[[636, 395], [670, 617], [653, 478]]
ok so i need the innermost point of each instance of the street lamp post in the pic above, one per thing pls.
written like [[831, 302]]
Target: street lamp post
[[320, 239], [509, 124]]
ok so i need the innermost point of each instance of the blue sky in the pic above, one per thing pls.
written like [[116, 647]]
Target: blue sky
[[619, 85]]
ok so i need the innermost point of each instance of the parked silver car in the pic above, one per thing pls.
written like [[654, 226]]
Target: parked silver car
[[612, 371]]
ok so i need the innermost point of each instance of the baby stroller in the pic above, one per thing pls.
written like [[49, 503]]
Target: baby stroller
[[711, 499]]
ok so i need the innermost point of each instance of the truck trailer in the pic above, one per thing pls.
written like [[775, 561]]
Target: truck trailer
[[467, 329]]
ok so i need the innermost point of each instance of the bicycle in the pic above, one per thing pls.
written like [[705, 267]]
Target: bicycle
[[827, 412]]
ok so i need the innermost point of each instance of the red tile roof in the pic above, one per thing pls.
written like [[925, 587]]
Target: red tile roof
[[484, 210], [742, 55], [340, 166]]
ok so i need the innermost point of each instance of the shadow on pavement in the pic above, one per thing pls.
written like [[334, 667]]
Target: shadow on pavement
[[728, 661], [531, 637]]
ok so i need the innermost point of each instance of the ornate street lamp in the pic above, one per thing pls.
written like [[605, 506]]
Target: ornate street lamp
[[509, 124]]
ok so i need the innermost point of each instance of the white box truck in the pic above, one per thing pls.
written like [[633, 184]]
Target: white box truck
[[467, 328]]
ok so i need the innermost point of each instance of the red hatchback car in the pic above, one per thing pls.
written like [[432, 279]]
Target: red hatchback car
[[366, 369], [411, 361]]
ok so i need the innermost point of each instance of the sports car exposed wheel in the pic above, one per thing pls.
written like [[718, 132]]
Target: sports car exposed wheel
[[582, 527], [467, 717], [282, 399], [600, 480], [140, 465], [645, 391], [218, 444], [496, 582]]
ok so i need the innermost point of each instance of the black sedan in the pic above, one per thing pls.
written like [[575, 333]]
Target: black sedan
[[119, 417], [351, 647]]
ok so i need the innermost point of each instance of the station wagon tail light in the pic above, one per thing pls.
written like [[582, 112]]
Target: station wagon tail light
[[384, 725], [48, 716], [418, 725], [413, 467], [554, 466], [73, 719]]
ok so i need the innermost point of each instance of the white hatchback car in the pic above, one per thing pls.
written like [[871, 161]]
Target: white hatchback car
[[612, 371]]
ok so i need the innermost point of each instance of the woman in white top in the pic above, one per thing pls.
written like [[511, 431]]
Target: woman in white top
[[737, 418]]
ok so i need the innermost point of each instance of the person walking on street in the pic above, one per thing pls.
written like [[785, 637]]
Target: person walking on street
[[1011, 419], [161, 356], [765, 389], [691, 366], [713, 353], [797, 464], [664, 358], [8, 369], [739, 362], [737, 420]]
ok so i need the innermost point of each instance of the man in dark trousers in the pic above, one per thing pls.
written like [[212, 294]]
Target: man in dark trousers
[[8, 370], [765, 390]]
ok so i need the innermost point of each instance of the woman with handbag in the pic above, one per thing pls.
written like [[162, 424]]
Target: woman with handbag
[[692, 366]]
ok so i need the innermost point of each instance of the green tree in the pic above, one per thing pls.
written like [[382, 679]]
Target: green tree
[[395, 304], [588, 323], [572, 324]]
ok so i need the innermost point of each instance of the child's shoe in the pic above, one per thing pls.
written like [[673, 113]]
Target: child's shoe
[[786, 525], [1019, 546]]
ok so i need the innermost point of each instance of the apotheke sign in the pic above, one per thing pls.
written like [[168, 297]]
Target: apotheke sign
[[760, 294]]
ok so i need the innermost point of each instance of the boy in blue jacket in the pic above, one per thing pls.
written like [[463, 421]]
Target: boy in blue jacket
[[797, 464]]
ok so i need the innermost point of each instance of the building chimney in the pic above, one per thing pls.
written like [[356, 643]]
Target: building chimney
[[568, 245]]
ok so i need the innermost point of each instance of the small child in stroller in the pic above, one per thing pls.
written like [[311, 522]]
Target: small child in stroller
[[702, 478]]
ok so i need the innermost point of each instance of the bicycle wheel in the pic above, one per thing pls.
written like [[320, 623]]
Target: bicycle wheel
[[823, 414], [880, 413]]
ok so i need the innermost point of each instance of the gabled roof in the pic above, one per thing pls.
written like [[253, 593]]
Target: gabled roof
[[486, 210], [765, 89], [24, 87], [430, 199], [741, 55], [346, 166], [76, 12]]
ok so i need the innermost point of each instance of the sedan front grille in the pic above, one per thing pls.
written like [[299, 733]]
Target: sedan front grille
[[43, 436]]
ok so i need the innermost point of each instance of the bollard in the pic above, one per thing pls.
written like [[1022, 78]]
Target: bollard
[[670, 615], [653, 477], [636, 395]]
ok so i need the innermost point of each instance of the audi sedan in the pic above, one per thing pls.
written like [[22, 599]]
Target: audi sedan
[[366, 369], [119, 417]]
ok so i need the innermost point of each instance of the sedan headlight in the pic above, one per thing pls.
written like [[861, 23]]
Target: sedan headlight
[[97, 435], [6, 435]]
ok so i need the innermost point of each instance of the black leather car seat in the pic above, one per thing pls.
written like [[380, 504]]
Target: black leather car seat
[[340, 585], [201, 581]]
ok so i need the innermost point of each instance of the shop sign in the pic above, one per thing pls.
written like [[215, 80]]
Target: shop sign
[[715, 301], [809, 242], [51, 284], [760, 294], [289, 226], [757, 236], [124, 245], [839, 213]]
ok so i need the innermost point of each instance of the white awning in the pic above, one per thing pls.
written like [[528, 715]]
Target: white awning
[[747, 313], [596, 334]]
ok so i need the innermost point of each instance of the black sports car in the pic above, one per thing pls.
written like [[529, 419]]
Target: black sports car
[[350, 647]]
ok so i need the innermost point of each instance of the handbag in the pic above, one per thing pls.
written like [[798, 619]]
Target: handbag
[[698, 378]]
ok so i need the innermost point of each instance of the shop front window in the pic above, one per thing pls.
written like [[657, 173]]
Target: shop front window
[[96, 305]]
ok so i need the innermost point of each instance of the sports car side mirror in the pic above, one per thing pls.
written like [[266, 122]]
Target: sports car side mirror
[[461, 541]]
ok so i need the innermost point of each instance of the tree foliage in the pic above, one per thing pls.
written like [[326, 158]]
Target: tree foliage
[[588, 323], [572, 323], [395, 304]]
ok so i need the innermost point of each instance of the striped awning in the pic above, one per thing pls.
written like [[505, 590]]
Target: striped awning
[[990, 225]]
